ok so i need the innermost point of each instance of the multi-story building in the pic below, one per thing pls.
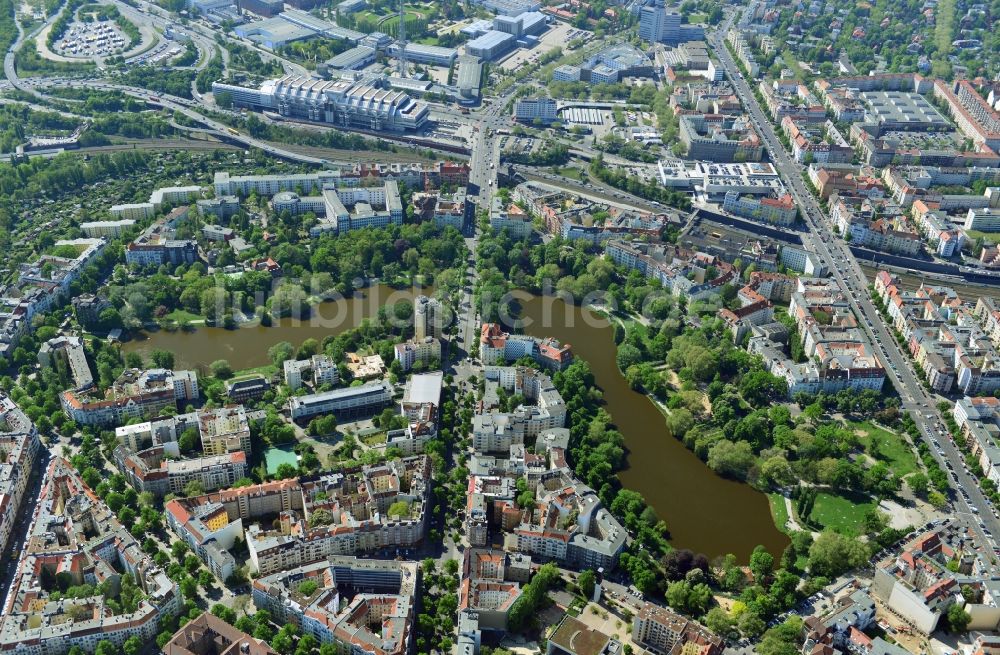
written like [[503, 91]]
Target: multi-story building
[[838, 353], [777, 211], [108, 229], [414, 176], [416, 350], [135, 394], [153, 471], [919, 583], [497, 347], [542, 109], [158, 201], [323, 370], [88, 308], [515, 220], [210, 635], [490, 585], [951, 341], [156, 250], [451, 210], [684, 273], [857, 219], [428, 317], [68, 354], [19, 440], [90, 546], [718, 138], [349, 401], [336, 218], [659, 25], [224, 430], [345, 103], [663, 631], [592, 540], [359, 605], [983, 220]]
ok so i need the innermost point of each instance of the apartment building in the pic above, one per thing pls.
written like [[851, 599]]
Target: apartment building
[[90, 546], [356, 510], [19, 439], [663, 631], [950, 340], [154, 470], [683, 273], [777, 211], [135, 394], [67, 353], [423, 351], [428, 317], [414, 176], [593, 540], [919, 584], [359, 605], [107, 229], [321, 369], [158, 201], [210, 635], [497, 347]]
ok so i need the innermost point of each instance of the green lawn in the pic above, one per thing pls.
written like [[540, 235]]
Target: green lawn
[[992, 237], [790, 62], [569, 171], [268, 370], [180, 315], [840, 512], [888, 447], [778, 510]]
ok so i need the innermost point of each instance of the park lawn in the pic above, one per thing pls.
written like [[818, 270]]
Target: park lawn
[[779, 511], [840, 512], [268, 371], [181, 315], [887, 446]]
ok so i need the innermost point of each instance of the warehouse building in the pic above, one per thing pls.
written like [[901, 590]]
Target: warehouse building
[[491, 45], [353, 59], [418, 53]]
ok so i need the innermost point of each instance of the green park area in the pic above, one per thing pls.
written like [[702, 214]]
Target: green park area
[[844, 512], [885, 446]]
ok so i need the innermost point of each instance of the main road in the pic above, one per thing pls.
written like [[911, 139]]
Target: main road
[[845, 269]]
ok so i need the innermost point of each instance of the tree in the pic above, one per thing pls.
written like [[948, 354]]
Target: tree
[[833, 553], [957, 619], [285, 471], [162, 358], [761, 564], [194, 488], [782, 639], [132, 645], [718, 621], [586, 582], [279, 352], [731, 459], [221, 369], [105, 647], [919, 484]]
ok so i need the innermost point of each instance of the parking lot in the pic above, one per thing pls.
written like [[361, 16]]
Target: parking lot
[[558, 36], [94, 39]]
